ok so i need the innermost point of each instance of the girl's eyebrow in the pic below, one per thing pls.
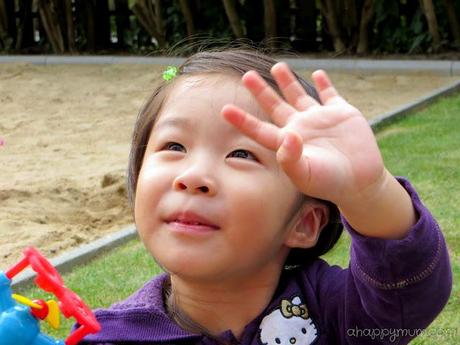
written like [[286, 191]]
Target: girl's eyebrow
[[185, 124], [182, 122], [188, 125]]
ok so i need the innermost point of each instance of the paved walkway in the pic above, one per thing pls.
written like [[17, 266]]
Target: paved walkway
[[439, 67]]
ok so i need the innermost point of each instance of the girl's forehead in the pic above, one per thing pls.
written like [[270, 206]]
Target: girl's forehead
[[196, 84], [214, 91], [208, 79]]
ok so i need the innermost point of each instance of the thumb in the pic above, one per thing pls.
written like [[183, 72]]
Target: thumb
[[294, 164]]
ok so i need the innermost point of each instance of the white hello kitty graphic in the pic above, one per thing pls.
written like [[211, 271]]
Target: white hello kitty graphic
[[288, 325]]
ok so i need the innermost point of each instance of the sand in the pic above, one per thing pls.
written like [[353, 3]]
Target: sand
[[66, 132]]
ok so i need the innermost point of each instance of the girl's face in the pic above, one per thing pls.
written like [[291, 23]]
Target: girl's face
[[198, 168]]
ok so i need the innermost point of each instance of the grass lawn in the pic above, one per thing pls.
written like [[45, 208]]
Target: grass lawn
[[425, 147]]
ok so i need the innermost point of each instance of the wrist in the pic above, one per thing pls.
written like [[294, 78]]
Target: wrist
[[383, 211], [369, 195]]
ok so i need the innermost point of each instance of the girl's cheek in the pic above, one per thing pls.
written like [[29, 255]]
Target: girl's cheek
[[147, 168], [153, 181], [145, 184]]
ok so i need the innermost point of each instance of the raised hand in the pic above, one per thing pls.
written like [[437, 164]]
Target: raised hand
[[328, 150]]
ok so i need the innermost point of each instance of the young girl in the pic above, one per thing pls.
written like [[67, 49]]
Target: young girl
[[237, 171]]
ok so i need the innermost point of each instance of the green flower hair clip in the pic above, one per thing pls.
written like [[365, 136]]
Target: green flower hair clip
[[170, 73]]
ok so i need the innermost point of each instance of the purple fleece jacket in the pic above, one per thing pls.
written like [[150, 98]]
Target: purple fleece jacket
[[391, 290]]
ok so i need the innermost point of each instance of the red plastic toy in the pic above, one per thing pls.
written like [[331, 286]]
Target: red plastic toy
[[48, 279]]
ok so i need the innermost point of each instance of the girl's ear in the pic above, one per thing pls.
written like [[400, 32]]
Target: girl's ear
[[306, 230]]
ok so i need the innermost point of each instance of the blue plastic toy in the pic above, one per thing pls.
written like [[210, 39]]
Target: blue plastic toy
[[20, 317]]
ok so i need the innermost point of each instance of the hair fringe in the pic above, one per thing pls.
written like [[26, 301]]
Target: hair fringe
[[200, 42]]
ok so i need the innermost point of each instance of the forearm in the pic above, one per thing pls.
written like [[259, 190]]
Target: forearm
[[384, 211]]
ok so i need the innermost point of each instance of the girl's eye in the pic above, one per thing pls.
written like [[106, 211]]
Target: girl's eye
[[245, 154], [174, 147]]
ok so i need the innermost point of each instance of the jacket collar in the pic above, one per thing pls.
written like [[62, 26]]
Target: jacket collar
[[140, 318]]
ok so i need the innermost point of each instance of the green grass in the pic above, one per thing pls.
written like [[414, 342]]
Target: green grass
[[425, 147], [109, 278]]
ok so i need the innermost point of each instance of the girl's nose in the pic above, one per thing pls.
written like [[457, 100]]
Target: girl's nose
[[194, 182]]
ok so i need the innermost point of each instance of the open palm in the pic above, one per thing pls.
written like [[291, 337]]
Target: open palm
[[328, 150]]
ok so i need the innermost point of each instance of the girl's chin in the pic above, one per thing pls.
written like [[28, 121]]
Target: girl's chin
[[197, 272], [189, 268]]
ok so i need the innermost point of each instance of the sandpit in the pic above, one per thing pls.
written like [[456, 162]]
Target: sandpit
[[67, 130]]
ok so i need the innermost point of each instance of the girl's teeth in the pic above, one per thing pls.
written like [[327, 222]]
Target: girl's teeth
[[190, 223]]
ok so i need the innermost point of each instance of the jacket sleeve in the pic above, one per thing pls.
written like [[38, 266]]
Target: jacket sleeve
[[393, 289]]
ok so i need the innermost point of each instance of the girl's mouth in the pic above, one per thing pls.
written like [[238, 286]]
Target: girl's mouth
[[188, 227], [188, 220]]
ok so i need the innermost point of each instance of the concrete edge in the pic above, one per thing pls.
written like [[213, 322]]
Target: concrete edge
[[415, 105], [67, 261], [439, 67], [85, 253]]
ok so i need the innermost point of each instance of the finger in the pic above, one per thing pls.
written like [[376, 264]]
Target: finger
[[326, 91], [290, 87], [290, 157], [272, 103], [265, 133]]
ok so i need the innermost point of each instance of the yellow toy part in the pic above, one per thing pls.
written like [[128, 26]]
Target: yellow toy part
[[53, 318], [26, 301], [51, 315]]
